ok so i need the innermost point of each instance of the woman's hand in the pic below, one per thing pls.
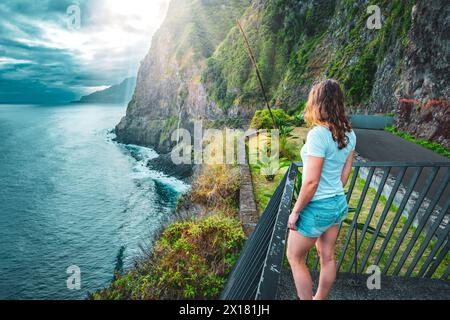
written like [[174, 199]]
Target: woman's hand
[[293, 221]]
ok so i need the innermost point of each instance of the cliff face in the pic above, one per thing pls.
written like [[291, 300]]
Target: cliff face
[[198, 66], [299, 42], [169, 92], [425, 113]]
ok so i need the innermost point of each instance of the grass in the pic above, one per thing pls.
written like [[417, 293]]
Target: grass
[[436, 147], [191, 260], [263, 189]]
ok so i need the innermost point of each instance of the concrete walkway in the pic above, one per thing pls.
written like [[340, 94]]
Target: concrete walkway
[[392, 288]]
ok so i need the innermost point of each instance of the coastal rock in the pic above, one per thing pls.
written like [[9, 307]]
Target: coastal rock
[[164, 164]]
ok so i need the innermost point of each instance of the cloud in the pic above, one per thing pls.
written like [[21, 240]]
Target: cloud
[[38, 49], [12, 61]]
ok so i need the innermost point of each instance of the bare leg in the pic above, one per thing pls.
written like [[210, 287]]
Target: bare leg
[[298, 246], [326, 247]]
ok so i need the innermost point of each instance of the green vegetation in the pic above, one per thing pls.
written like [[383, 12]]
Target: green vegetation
[[276, 33], [293, 47], [192, 258], [263, 189], [262, 119], [355, 63], [232, 122], [436, 147], [304, 54], [199, 27]]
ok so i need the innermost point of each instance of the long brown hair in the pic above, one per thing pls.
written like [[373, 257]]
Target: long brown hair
[[326, 107]]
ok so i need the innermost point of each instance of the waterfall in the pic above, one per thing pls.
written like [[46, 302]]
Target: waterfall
[[179, 123]]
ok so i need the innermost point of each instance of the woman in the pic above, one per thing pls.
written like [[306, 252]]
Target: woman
[[321, 206]]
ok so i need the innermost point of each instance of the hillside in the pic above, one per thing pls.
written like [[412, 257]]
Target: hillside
[[198, 68], [120, 93]]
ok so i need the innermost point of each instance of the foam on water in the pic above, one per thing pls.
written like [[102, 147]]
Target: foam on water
[[141, 171]]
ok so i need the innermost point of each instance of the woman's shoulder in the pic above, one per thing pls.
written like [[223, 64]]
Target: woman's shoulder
[[318, 131]]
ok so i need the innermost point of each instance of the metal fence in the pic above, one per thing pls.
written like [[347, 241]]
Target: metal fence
[[398, 221]]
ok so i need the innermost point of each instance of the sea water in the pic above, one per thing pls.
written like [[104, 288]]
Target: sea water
[[71, 196]]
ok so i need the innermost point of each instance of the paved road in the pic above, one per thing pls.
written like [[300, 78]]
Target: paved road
[[379, 145]]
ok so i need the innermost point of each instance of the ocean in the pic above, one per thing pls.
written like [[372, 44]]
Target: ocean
[[71, 196]]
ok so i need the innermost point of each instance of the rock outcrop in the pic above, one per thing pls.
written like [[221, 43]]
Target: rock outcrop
[[425, 110]]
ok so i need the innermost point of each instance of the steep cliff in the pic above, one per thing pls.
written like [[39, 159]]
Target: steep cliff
[[169, 92], [198, 66]]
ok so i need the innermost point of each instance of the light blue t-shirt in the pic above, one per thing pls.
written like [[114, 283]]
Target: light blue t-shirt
[[320, 143]]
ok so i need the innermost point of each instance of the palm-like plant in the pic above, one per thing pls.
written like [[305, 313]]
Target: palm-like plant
[[270, 164]]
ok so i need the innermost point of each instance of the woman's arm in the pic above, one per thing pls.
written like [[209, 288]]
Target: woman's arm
[[309, 188], [347, 169]]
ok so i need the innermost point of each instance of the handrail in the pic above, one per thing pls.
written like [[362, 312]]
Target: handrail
[[257, 272], [395, 164], [275, 253]]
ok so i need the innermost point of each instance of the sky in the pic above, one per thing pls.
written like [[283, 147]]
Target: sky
[[59, 50]]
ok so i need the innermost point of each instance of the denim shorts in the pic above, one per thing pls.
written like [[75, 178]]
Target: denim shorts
[[320, 215]]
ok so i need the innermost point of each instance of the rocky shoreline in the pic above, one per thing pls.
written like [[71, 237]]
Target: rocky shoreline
[[164, 164]]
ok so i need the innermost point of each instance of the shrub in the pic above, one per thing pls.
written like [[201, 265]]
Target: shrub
[[297, 114], [299, 120], [217, 186], [191, 260], [263, 120]]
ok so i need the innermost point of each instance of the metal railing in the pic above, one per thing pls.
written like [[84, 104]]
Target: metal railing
[[399, 222]]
